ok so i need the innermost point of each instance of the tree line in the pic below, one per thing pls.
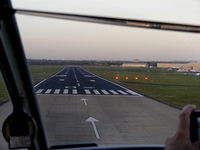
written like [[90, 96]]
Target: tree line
[[73, 62]]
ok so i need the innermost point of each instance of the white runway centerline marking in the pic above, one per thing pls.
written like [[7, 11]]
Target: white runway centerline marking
[[74, 91], [87, 91], [61, 79], [57, 91], [113, 92], [66, 91], [93, 120], [105, 92], [92, 80], [39, 91], [75, 76], [48, 91], [122, 92]]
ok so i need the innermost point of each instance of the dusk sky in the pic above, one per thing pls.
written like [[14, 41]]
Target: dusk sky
[[45, 38]]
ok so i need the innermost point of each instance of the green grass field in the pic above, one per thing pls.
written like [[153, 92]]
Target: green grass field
[[187, 91], [38, 72]]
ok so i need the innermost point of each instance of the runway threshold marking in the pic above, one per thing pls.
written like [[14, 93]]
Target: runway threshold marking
[[133, 93], [48, 91], [84, 100], [96, 92], [57, 91], [105, 92], [74, 91], [113, 92], [39, 91], [122, 92], [87, 91], [93, 120], [66, 91]]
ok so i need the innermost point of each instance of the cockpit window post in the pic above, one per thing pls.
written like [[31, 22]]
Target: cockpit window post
[[15, 72]]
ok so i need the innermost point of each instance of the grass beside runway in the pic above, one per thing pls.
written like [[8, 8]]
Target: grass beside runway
[[38, 72], [168, 86]]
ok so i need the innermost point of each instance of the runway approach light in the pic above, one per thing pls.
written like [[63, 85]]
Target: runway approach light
[[136, 78], [146, 78], [126, 78]]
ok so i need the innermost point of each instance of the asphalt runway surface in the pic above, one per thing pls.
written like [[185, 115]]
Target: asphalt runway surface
[[75, 80], [80, 107]]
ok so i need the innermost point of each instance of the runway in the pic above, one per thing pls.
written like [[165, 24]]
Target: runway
[[77, 81], [80, 107]]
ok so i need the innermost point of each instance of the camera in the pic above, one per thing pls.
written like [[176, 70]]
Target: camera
[[195, 126]]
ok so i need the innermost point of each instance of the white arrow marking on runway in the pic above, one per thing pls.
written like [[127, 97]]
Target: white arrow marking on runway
[[84, 100], [93, 120]]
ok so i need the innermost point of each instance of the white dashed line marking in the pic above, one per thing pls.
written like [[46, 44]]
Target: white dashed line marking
[[57, 91], [48, 91], [113, 92], [105, 92], [92, 80], [61, 79], [39, 91]]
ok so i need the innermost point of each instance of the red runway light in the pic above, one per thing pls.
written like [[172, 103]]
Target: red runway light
[[146, 78], [126, 78], [136, 78], [116, 78]]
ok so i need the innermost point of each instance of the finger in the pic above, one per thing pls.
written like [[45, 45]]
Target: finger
[[184, 117], [184, 120]]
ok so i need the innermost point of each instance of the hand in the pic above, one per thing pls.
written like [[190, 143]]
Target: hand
[[181, 139]]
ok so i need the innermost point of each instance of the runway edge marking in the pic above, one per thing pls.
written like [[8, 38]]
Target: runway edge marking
[[48, 78]]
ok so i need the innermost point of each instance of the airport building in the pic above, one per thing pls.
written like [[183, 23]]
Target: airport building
[[184, 66], [170, 65], [134, 64]]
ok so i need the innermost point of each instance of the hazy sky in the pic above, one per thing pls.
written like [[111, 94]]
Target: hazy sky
[[46, 38]]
